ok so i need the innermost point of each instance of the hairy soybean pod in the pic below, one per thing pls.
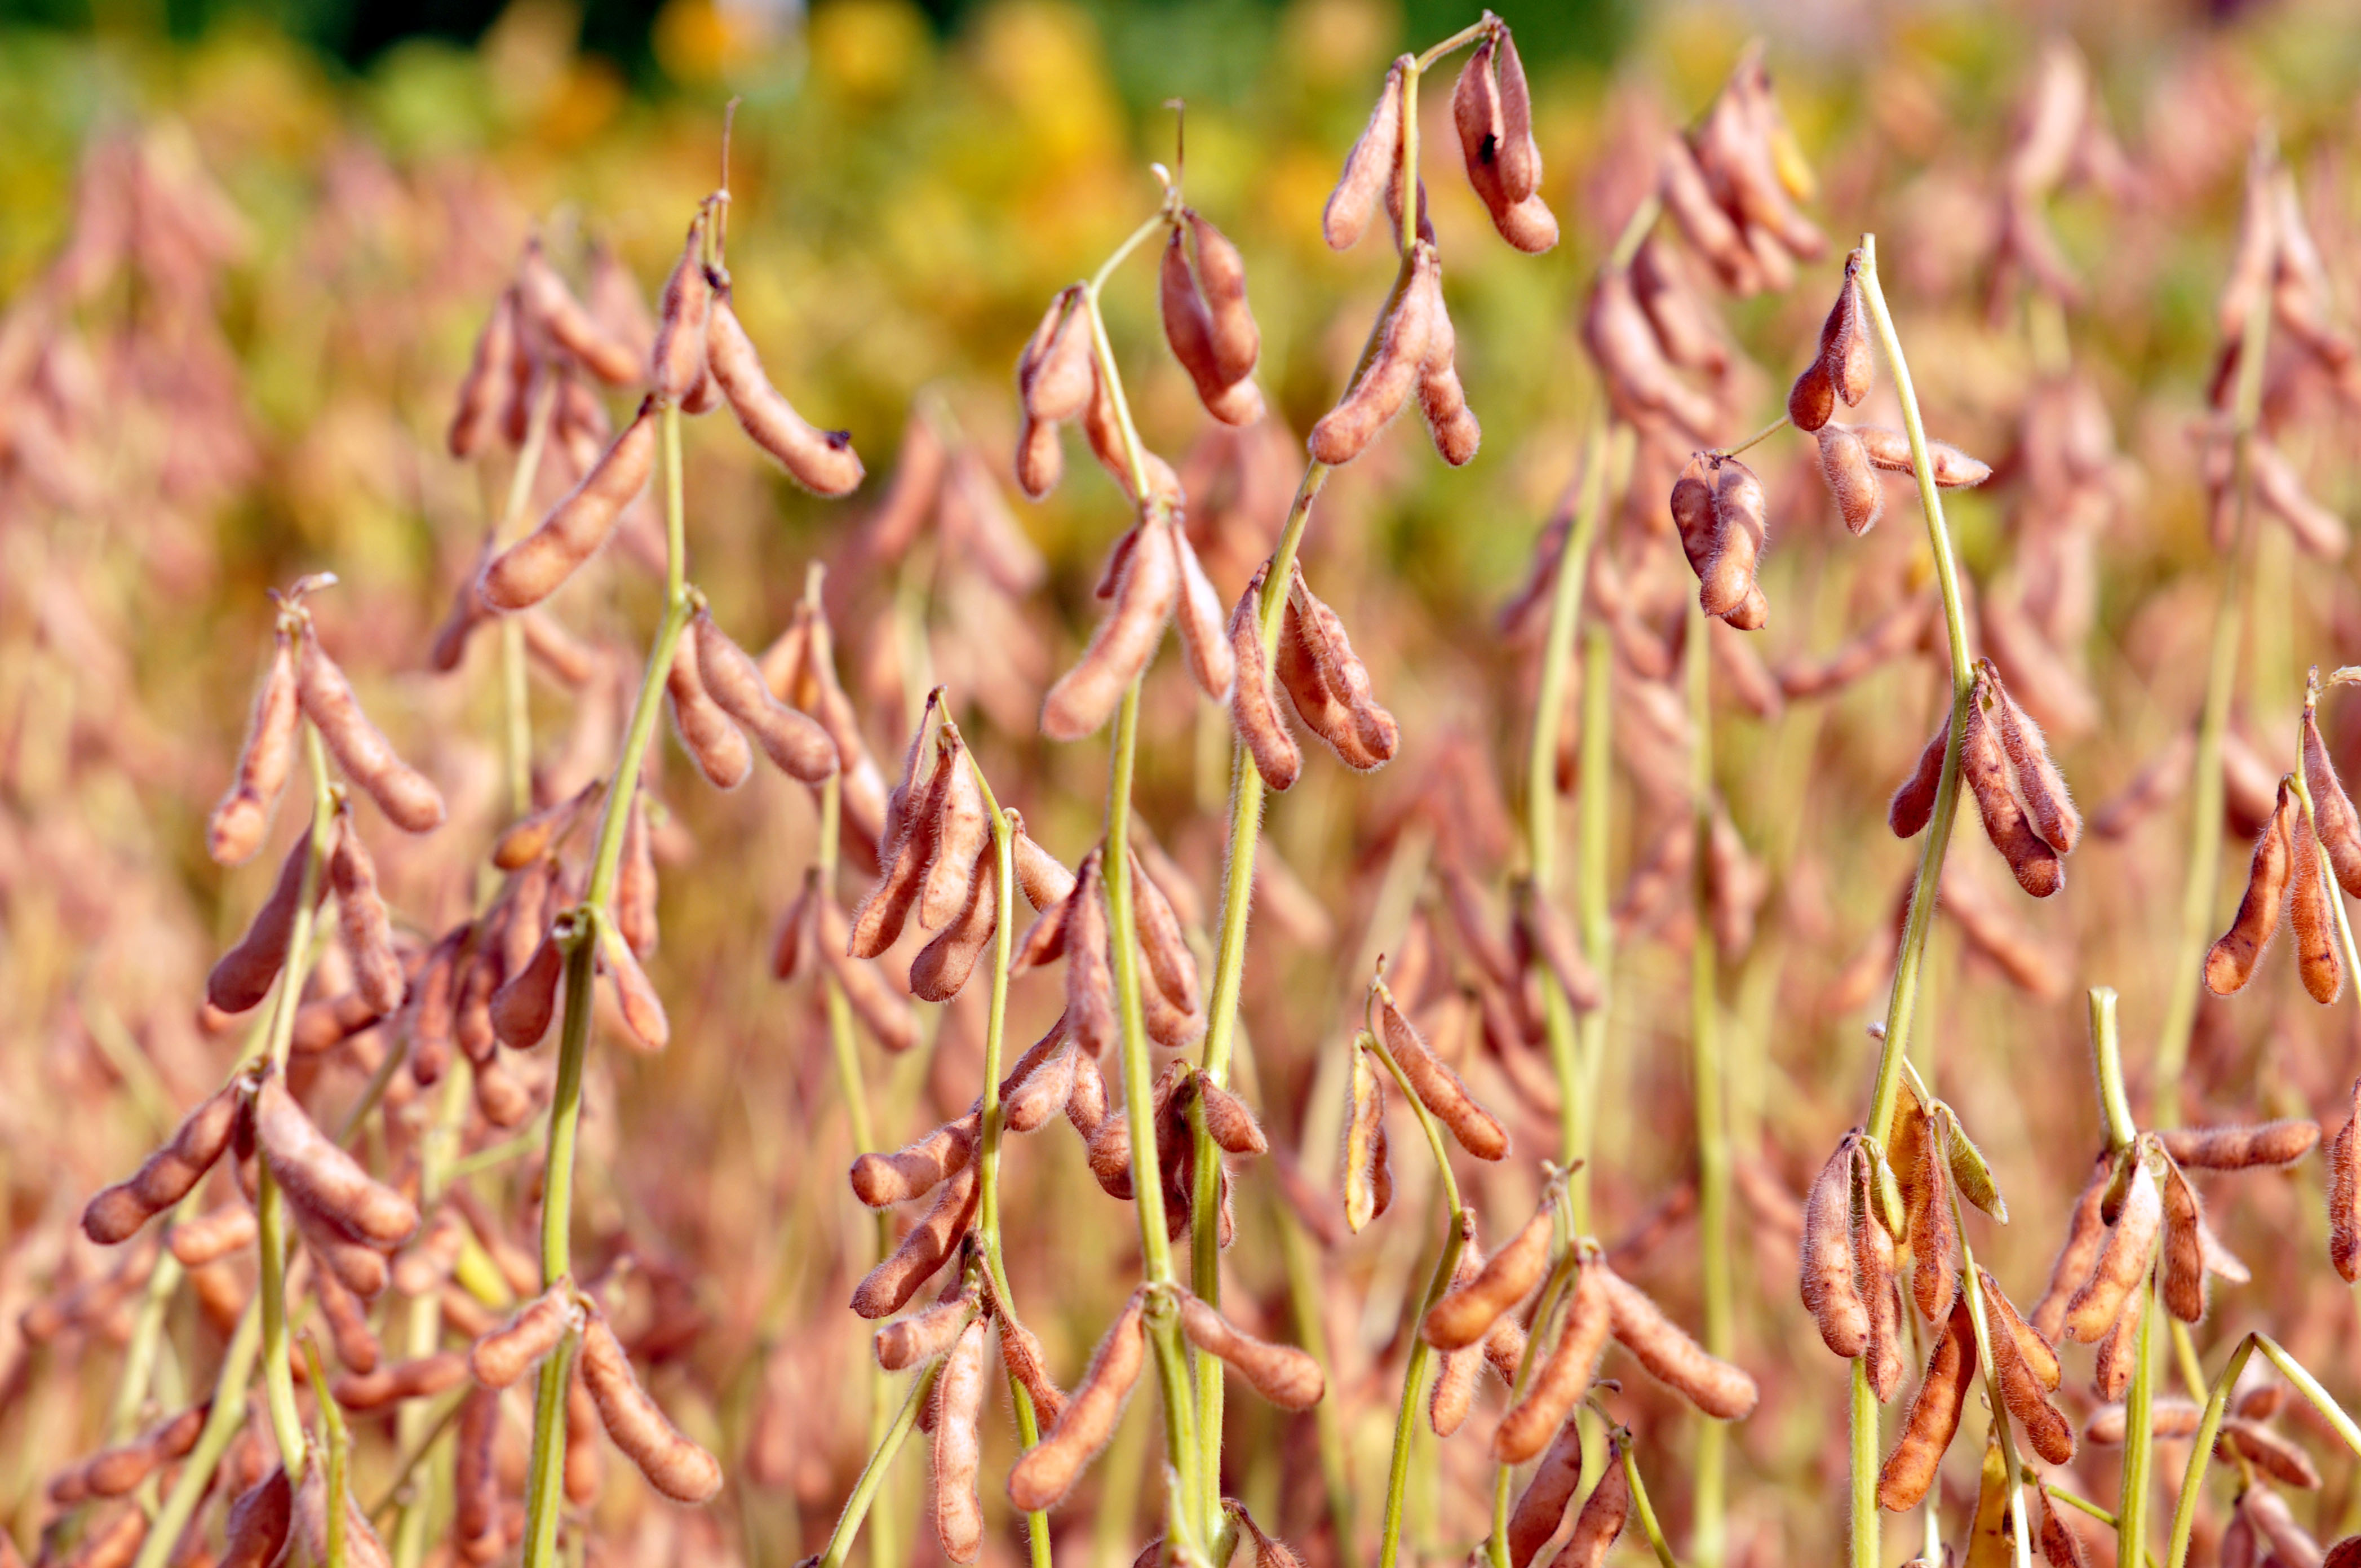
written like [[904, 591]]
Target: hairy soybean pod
[[2086, 1229], [1090, 974], [421, 1377], [1085, 696], [673, 1465], [491, 373], [821, 461], [923, 1336], [677, 359], [1934, 1240], [1541, 1507], [503, 1356], [2312, 915], [2344, 1192], [1253, 707], [1812, 402], [2037, 778], [1368, 167], [2241, 1147], [1386, 382], [962, 833], [1881, 1292], [538, 564], [959, 1447], [2121, 1262], [1826, 1273], [716, 745], [2231, 963], [361, 921], [1050, 1468], [168, 1175], [1368, 1178], [1321, 635], [1604, 1514], [1170, 962], [1438, 1088], [1285, 1376], [1468, 1313], [942, 967], [242, 977], [1189, 330], [349, 1326], [211, 1235], [1559, 1382], [795, 742], [255, 1531], [2272, 1454], [2038, 1354], [1231, 1124], [1859, 493], [1738, 531], [1890, 450], [476, 1479], [552, 307], [2289, 1543], [2331, 809], [645, 1025], [1442, 399], [1712, 1385], [1056, 375], [882, 1181], [1984, 767], [264, 762], [931, 1243], [1909, 1471], [1204, 640], [2021, 1385], [1222, 274], [322, 1175], [2060, 1547]]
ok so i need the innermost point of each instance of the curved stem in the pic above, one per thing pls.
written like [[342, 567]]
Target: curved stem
[[1646, 1510], [872, 1475], [223, 1422]]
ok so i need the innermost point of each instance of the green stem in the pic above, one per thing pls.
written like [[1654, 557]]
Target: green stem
[[339, 1455], [413, 1431], [1594, 909], [2139, 1438], [872, 1475], [1646, 1510], [1980, 1321], [223, 1422], [2107, 1060], [517, 712], [1554, 1286], [547, 1467]]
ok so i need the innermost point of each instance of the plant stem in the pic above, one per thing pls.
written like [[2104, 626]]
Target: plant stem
[[547, 1467], [223, 1423], [2201, 1452], [2139, 1440], [2107, 1060], [865, 1490], [1710, 1461], [1646, 1510], [1979, 1320], [1595, 827], [413, 1431], [517, 711]]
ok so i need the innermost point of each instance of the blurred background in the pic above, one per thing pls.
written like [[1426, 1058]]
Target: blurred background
[[250, 377]]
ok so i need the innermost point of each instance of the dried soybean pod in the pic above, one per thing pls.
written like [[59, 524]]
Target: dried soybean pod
[[2332, 809], [530, 837], [1559, 1382], [931, 1243], [1604, 1514], [923, 1336], [551, 306], [1090, 974], [1890, 450], [2021, 1385], [677, 359], [168, 1175], [1204, 639], [1739, 529], [1476, 115], [959, 1447], [1253, 707], [1084, 697], [882, 1181], [821, 461], [1442, 399], [2312, 917], [243, 817], [2241, 1147], [2345, 1192], [962, 832], [1812, 401], [243, 976], [2122, 1262], [1984, 768], [503, 1356], [1170, 962], [1232, 1126], [1056, 376], [2038, 1354], [1321, 634], [1386, 382], [361, 921], [491, 373], [1909, 1471], [1048, 1469], [2086, 1229], [476, 1480], [1368, 1180], [882, 1011], [2231, 962], [1934, 1239], [646, 1023], [1859, 493], [1711, 1384], [349, 1326], [1518, 159], [321, 1176], [2272, 1454], [1826, 1273], [1541, 1507], [1189, 330], [538, 564], [1222, 274], [1468, 1312], [635, 883], [1454, 1393], [673, 1464], [2046, 800], [942, 967], [1368, 167], [794, 741], [2289, 1543], [255, 1531], [716, 745], [1281, 1374], [1880, 1291], [2182, 1264], [2060, 1547], [210, 1236], [1438, 1088], [1021, 1353]]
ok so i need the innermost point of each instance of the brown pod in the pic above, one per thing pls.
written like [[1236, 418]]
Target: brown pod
[[2231, 962], [1604, 1514], [1934, 1239], [532, 836], [1369, 1175], [2040, 1357], [504, 1356], [2060, 1547], [491, 375], [349, 1326], [1890, 450], [931, 1243], [677, 358], [321, 1176], [1543, 927], [168, 1175], [1712, 1385], [1812, 401], [1686, 329], [795, 743], [1559, 1382], [1541, 1507], [538, 564], [1368, 167], [361, 1267], [1518, 161], [1281, 1374], [1908, 1472], [2241, 1147], [1453, 1394], [1476, 113], [1984, 766], [1701, 219], [821, 461], [1691, 506], [1222, 274], [476, 1526], [1228, 1122], [883, 1010], [1318, 632], [1441, 400], [1438, 1088], [635, 883], [2181, 1262], [2046, 800], [1204, 639], [2289, 1542], [959, 1447], [1189, 330], [713, 742], [2272, 1454], [2344, 1193], [211, 1235], [942, 967], [243, 976], [2086, 1231], [2312, 915], [1392, 371], [1826, 1273], [645, 1025], [2317, 530], [673, 1465], [551, 306], [2045, 1426], [2333, 815], [1048, 1470], [1056, 374], [1859, 493], [264, 762], [912, 817], [1084, 697], [1090, 973], [962, 833], [2120, 1265], [1170, 964], [361, 921], [882, 1181], [1021, 1353], [1254, 707], [1640, 379], [1881, 1291], [923, 1336], [1740, 530], [1468, 1312], [421, 1377], [255, 1531]]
